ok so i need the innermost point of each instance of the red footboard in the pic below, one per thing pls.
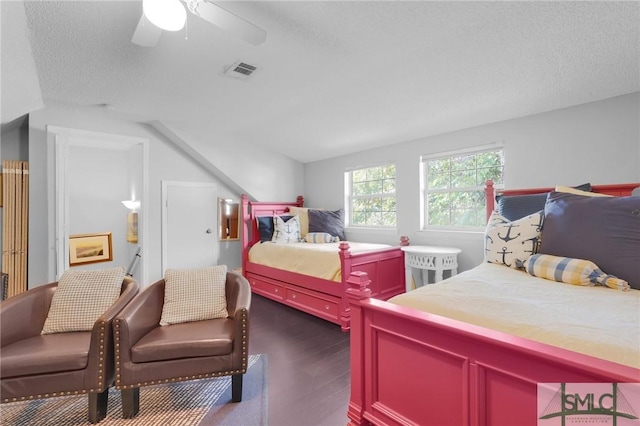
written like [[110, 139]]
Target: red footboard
[[414, 368]]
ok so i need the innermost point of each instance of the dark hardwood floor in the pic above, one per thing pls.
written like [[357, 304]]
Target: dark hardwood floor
[[308, 360]]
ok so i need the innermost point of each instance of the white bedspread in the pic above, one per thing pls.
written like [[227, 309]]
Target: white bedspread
[[596, 321], [316, 260]]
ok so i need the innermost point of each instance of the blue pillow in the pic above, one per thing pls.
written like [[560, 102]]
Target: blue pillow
[[265, 226], [327, 221], [514, 207], [604, 230]]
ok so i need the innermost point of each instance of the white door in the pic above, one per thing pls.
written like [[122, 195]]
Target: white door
[[189, 217]]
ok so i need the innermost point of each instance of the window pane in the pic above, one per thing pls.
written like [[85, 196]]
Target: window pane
[[438, 180], [463, 217], [389, 186], [389, 172], [389, 204], [493, 173], [374, 173], [438, 216], [466, 162], [374, 187], [359, 175], [489, 159], [389, 218], [442, 165], [359, 204], [359, 218], [360, 188], [463, 179], [461, 200]]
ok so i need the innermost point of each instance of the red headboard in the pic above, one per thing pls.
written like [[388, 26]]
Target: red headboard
[[618, 190], [253, 209]]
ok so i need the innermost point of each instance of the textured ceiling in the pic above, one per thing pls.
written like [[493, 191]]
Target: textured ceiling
[[338, 77]]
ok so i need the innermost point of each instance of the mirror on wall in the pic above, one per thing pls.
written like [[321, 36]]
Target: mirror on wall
[[228, 223]]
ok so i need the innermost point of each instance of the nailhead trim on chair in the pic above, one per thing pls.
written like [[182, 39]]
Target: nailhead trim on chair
[[119, 385], [76, 392]]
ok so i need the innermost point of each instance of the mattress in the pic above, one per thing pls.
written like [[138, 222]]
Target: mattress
[[316, 260], [596, 321]]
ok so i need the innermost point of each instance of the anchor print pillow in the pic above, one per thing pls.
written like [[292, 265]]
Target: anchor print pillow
[[511, 243], [286, 232]]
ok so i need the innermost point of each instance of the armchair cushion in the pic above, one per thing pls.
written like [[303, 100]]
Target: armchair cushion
[[194, 295], [50, 353], [81, 297], [194, 339]]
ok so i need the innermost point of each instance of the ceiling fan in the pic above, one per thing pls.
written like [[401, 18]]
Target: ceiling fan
[[170, 15]]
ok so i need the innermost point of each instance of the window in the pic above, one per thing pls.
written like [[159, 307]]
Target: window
[[371, 196], [453, 186]]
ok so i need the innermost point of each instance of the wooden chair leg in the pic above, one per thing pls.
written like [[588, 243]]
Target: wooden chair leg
[[236, 388], [98, 406], [130, 402]]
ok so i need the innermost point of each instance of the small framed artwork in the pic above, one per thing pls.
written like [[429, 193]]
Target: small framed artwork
[[90, 248]]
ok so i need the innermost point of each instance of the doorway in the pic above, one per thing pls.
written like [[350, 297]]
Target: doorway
[[189, 219], [95, 172]]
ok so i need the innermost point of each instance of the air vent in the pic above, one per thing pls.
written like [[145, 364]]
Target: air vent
[[240, 70]]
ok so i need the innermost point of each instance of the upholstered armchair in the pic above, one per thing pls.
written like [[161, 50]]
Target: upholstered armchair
[[148, 353], [35, 365]]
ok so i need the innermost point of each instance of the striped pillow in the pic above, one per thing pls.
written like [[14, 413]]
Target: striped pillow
[[194, 295], [81, 297], [320, 237], [571, 271]]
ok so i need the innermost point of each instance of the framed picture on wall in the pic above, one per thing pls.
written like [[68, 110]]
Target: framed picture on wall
[[90, 248]]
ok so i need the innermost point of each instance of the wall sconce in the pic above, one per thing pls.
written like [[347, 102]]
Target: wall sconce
[[132, 220], [132, 204]]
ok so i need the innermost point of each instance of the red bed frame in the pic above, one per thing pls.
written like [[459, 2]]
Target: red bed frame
[[319, 297], [414, 368]]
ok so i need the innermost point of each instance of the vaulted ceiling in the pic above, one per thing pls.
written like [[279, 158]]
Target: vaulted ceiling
[[336, 77]]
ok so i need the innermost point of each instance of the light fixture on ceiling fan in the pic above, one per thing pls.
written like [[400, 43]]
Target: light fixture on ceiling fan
[[170, 15]]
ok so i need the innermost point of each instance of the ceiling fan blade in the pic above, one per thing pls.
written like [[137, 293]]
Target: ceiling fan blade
[[146, 34], [230, 22]]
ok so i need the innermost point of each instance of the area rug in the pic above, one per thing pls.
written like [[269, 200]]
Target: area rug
[[193, 403]]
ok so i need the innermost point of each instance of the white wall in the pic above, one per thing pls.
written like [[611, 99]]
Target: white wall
[[598, 142], [20, 92], [166, 161]]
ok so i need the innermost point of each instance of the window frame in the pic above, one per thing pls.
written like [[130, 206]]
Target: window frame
[[424, 191], [350, 197]]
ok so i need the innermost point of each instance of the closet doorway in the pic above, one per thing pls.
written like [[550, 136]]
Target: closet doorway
[[189, 224]]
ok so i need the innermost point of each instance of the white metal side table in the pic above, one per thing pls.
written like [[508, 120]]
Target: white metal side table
[[429, 258]]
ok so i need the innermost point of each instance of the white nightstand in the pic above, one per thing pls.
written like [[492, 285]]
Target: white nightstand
[[429, 258]]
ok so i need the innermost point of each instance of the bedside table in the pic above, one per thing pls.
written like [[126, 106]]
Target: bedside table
[[429, 258]]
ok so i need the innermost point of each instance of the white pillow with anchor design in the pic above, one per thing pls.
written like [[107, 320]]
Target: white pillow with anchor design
[[510, 243]]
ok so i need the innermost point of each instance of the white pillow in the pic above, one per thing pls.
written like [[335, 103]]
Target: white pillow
[[81, 297], [194, 295], [512, 243], [286, 232]]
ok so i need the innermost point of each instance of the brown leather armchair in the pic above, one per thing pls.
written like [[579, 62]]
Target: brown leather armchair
[[150, 354], [34, 366]]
